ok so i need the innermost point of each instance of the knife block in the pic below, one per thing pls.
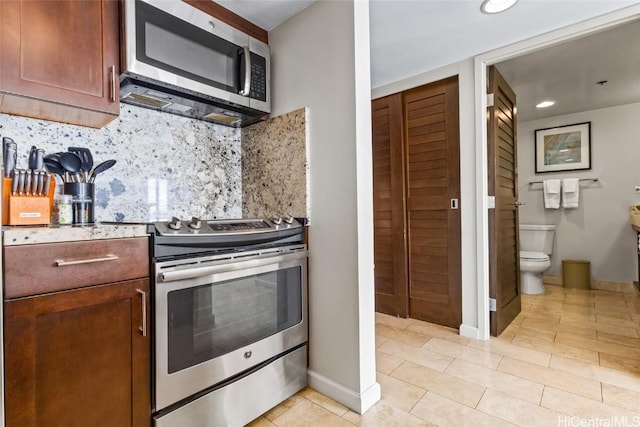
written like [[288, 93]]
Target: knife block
[[6, 192], [26, 210]]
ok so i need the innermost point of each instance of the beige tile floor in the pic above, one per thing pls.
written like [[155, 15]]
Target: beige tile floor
[[571, 358]]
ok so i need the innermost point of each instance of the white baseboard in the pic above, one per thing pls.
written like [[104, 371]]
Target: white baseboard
[[548, 279], [595, 284], [607, 285], [357, 402], [469, 332]]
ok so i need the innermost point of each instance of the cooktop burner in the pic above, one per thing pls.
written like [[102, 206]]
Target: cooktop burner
[[197, 227], [180, 238]]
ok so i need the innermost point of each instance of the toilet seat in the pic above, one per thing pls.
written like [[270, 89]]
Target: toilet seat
[[531, 256]]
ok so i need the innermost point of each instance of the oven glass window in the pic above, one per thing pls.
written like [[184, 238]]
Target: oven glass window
[[208, 321]]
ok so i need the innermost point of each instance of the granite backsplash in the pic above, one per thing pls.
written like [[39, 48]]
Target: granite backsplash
[[169, 165], [274, 167]]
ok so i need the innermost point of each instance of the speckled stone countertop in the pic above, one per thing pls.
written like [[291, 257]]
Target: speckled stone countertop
[[12, 236]]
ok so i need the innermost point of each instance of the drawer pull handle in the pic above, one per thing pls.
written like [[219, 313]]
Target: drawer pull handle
[[143, 329], [62, 263]]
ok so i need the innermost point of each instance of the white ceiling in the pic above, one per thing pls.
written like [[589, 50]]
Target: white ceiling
[[409, 37], [266, 14], [568, 74]]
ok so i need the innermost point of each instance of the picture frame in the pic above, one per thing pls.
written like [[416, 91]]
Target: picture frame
[[563, 148]]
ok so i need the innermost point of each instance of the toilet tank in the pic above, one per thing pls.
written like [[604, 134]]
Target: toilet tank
[[537, 238]]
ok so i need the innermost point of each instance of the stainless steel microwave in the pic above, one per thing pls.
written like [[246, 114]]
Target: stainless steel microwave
[[178, 59]]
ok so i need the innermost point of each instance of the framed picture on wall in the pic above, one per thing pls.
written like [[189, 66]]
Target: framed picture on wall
[[563, 148]]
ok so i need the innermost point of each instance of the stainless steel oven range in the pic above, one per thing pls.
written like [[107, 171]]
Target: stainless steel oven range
[[230, 319]]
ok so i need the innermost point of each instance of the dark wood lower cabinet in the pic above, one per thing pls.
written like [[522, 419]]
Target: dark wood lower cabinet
[[79, 357]]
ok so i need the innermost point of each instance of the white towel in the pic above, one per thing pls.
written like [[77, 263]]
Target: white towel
[[551, 192], [570, 193]]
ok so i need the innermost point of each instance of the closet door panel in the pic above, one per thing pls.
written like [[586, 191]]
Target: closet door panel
[[389, 207], [432, 169]]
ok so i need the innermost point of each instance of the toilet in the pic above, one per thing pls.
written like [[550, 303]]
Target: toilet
[[536, 245]]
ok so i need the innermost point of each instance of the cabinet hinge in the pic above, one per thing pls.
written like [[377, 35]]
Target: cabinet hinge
[[489, 100], [492, 304]]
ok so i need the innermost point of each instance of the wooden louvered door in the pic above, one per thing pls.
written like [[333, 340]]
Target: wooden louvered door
[[388, 215], [504, 253], [432, 168]]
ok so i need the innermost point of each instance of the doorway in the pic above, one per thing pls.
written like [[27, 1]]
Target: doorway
[[485, 262]]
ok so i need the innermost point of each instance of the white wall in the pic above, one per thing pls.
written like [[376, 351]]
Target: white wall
[[473, 174], [599, 230], [320, 60], [464, 71]]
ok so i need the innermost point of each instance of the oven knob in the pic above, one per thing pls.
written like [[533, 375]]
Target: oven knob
[[195, 223], [276, 220], [288, 219], [175, 223]]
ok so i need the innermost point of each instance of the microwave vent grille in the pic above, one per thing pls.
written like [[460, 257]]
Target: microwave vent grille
[[146, 100], [222, 118]]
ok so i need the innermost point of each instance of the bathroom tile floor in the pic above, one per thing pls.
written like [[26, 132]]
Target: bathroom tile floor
[[571, 358]]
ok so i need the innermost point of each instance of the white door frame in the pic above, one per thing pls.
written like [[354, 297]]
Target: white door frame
[[480, 75]]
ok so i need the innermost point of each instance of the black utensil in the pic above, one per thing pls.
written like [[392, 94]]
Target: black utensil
[[53, 166], [86, 157], [107, 164], [54, 156], [71, 162], [54, 162]]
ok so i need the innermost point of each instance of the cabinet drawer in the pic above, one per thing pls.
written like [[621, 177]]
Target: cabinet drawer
[[44, 268]]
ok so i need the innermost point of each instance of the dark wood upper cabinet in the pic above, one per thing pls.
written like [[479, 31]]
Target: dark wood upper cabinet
[[60, 60]]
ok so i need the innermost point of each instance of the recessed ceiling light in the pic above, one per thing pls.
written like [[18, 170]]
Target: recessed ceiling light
[[496, 6], [545, 104]]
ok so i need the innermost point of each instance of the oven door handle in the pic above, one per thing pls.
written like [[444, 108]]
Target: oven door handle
[[192, 273]]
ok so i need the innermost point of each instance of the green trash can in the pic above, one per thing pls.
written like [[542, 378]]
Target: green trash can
[[576, 274]]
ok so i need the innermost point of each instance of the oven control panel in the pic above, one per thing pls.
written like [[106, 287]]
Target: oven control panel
[[239, 226]]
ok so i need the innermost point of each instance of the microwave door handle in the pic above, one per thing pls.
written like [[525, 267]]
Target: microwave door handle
[[246, 90]]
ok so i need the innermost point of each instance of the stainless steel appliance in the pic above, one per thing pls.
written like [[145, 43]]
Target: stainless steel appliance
[[230, 319], [178, 59]]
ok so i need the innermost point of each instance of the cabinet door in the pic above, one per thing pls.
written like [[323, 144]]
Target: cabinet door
[[65, 52], [79, 358]]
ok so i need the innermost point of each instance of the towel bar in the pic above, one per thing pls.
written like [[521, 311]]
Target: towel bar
[[581, 179]]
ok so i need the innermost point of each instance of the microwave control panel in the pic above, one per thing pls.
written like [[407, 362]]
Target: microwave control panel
[[258, 78]]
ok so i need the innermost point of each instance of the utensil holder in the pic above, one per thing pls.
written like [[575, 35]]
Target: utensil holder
[[83, 197]]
